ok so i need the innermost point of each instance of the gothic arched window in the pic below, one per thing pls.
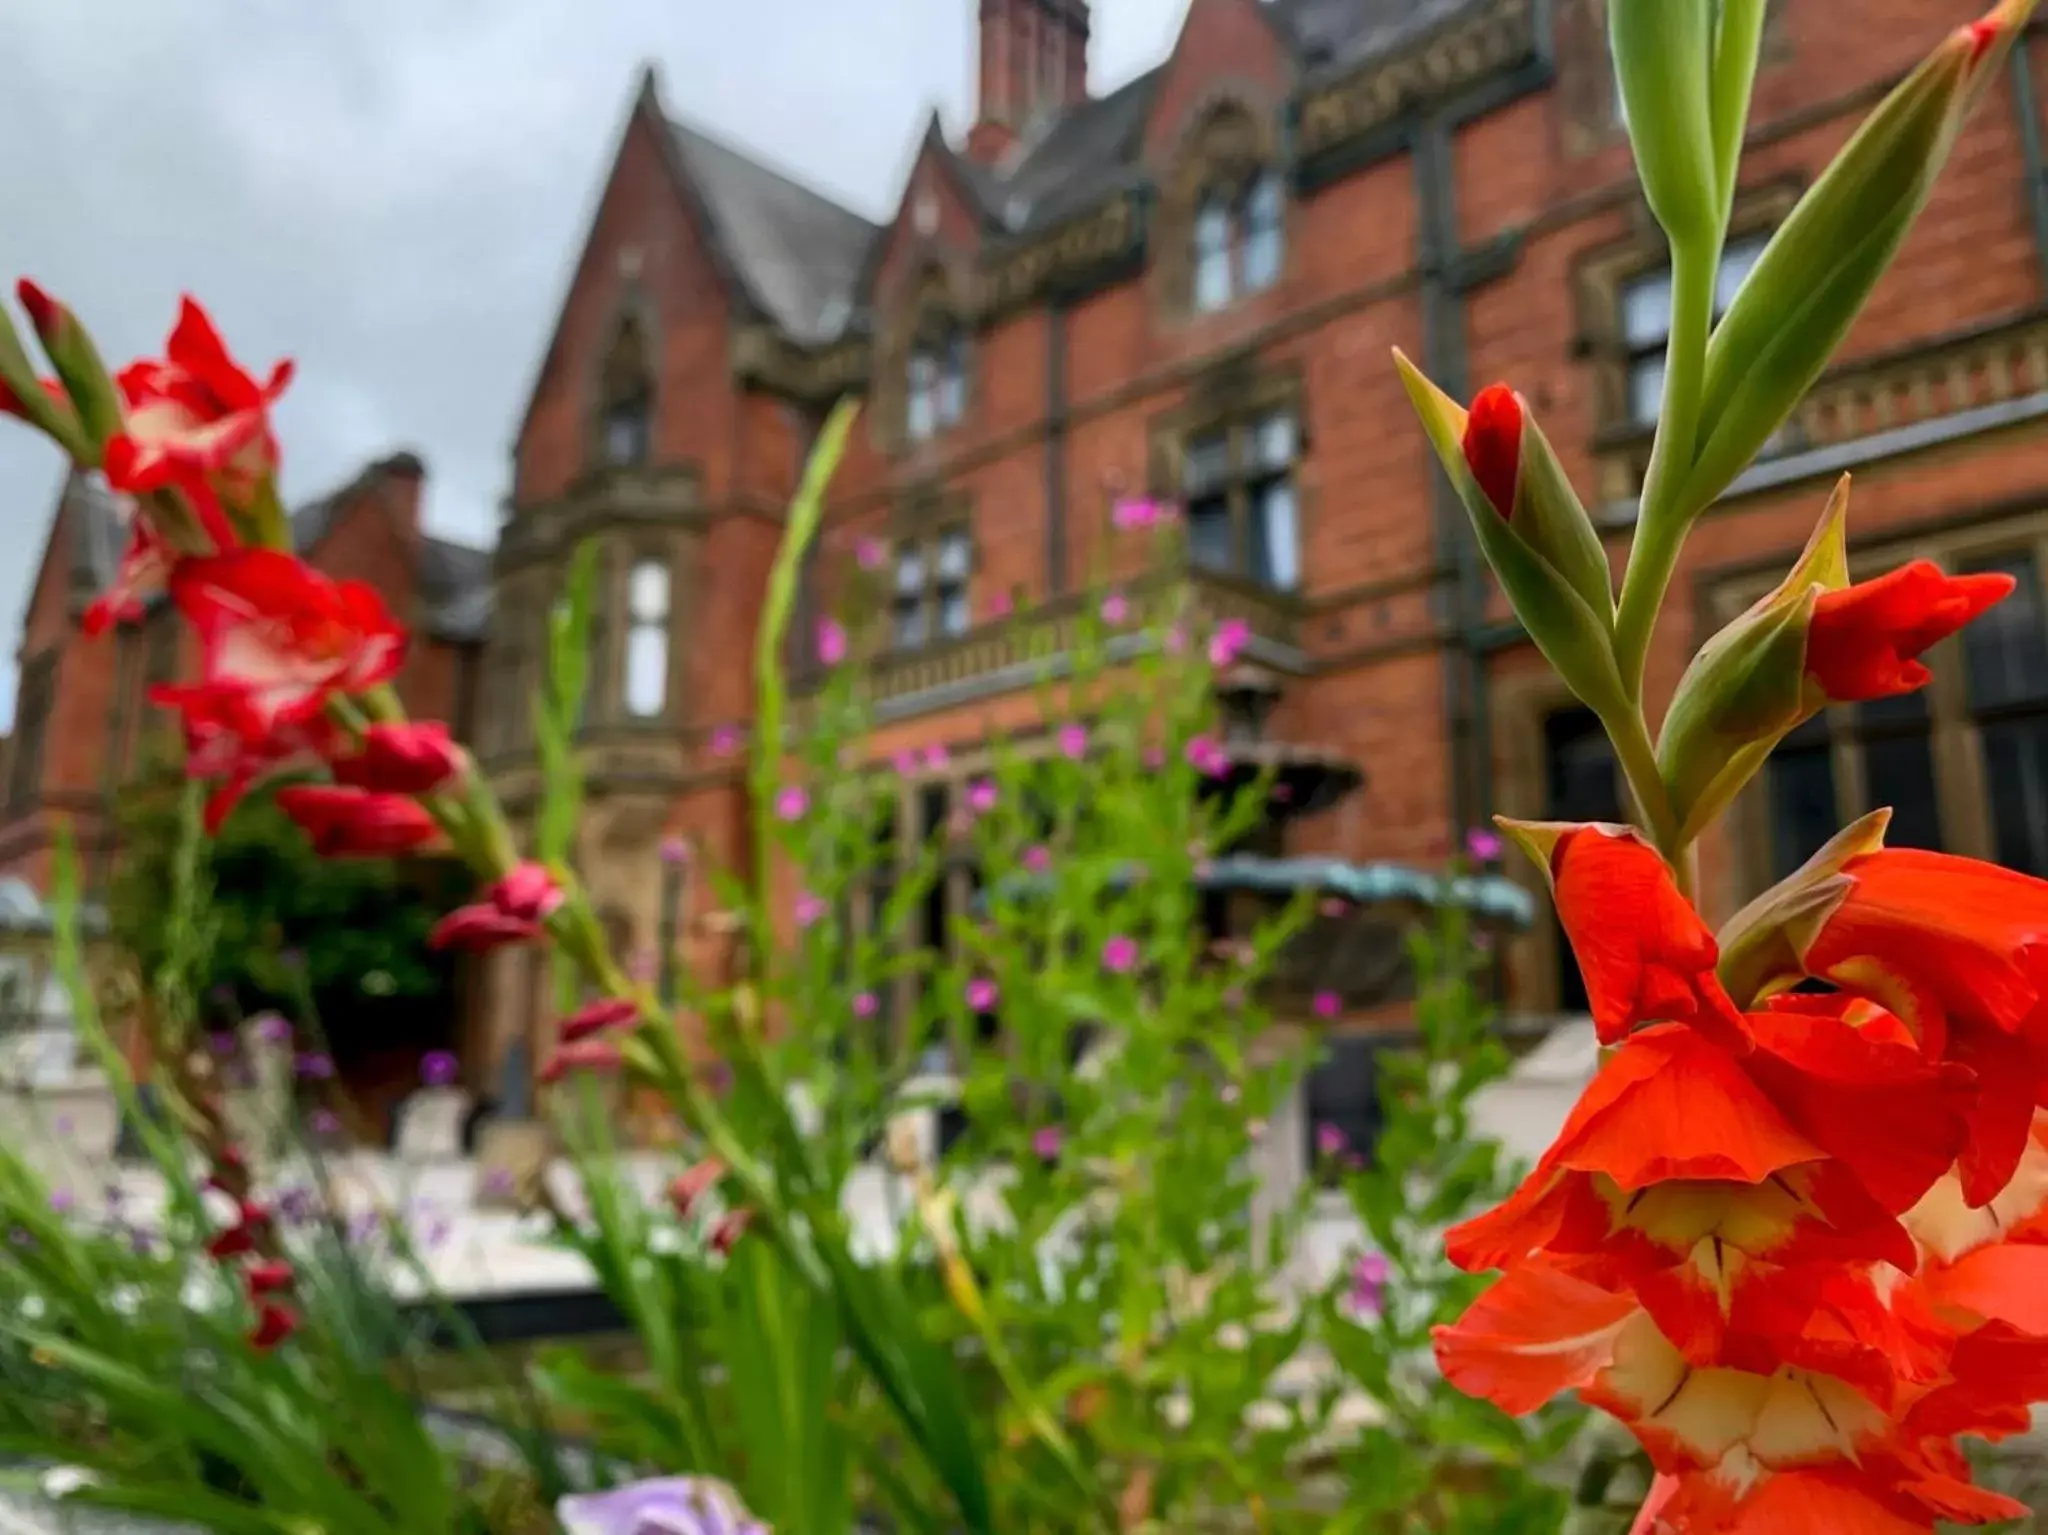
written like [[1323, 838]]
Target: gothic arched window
[[626, 412], [1229, 202]]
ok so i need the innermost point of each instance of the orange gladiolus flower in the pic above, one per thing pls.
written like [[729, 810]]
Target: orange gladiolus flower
[[1958, 950], [1698, 1173]]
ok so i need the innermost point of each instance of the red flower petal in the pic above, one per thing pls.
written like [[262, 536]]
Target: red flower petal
[[349, 823], [597, 1017], [480, 927], [1493, 445], [1540, 1331], [401, 759], [1645, 954], [1866, 639]]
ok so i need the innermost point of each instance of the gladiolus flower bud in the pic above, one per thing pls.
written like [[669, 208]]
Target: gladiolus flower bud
[[78, 364], [350, 823], [1866, 639], [401, 759], [729, 1230], [274, 1324], [268, 1278], [693, 1183], [1663, 52], [610, 1013], [1493, 445], [581, 1055], [40, 402]]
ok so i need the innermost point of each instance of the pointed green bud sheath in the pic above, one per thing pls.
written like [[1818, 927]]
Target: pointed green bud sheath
[[1764, 945], [1813, 279], [1663, 59], [1747, 688], [78, 365], [23, 394], [1531, 528]]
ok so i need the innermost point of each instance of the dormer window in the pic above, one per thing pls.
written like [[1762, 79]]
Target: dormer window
[[625, 421], [937, 396], [1238, 241], [1226, 208]]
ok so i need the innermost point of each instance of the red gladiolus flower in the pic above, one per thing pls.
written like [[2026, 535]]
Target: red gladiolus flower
[[196, 421], [582, 1055], [597, 1017], [274, 1324], [1493, 445], [350, 823], [231, 1242], [268, 1278], [279, 638], [401, 759], [726, 1235], [528, 891], [513, 912], [145, 566], [1866, 639], [1645, 954]]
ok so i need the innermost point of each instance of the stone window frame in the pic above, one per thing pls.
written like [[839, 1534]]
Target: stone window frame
[[1962, 789], [625, 376], [1600, 277], [35, 701], [1230, 144], [927, 520], [934, 308], [1232, 400]]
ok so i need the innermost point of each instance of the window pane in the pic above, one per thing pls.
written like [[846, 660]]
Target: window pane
[[2005, 652], [646, 670], [910, 569], [1645, 388], [1262, 237], [952, 391], [953, 616], [921, 406], [1212, 255], [2016, 776], [1209, 540], [909, 624], [1898, 768], [1276, 535], [956, 553], [647, 591], [1737, 261], [1273, 442], [625, 434], [1646, 311], [1800, 783], [1207, 466], [1343, 1093], [1580, 784]]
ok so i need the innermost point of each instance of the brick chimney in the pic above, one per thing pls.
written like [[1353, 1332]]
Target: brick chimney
[[1034, 62]]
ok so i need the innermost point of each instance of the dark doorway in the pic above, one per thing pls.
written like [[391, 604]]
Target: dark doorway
[[1580, 783]]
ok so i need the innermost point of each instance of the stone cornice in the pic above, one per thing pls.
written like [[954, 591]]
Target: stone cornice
[[1351, 106], [764, 358], [1101, 243], [606, 499]]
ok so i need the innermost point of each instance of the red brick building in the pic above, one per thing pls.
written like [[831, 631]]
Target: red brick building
[[82, 719]]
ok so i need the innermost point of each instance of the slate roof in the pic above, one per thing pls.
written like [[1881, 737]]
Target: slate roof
[[803, 258], [799, 253], [454, 579]]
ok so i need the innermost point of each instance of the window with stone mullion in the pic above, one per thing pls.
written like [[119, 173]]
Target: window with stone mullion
[[1241, 500]]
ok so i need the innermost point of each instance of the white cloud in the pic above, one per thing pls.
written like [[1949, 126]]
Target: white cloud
[[391, 191]]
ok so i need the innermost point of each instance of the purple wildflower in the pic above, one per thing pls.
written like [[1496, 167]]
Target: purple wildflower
[[1228, 642], [221, 1043], [324, 1122], [439, 1068], [1369, 1276], [1038, 858], [810, 909], [866, 1004], [936, 757], [315, 1066], [675, 851], [1116, 610], [1132, 513], [905, 763], [1001, 604], [674, 1505], [1484, 845], [831, 641], [725, 740], [1327, 1004], [982, 993], [1207, 756], [1046, 1141], [981, 796], [1331, 1141], [272, 1029], [63, 1201], [1333, 907]]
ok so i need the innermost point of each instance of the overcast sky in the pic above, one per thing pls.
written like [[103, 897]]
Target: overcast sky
[[392, 191]]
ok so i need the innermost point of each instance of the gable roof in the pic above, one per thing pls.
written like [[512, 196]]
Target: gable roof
[[798, 253]]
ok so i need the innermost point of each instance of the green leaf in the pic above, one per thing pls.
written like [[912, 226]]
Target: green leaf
[[1663, 50]]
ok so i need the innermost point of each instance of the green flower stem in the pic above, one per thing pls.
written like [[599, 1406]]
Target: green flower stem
[[1736, 45], [1662, 521], [1638, 760]]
